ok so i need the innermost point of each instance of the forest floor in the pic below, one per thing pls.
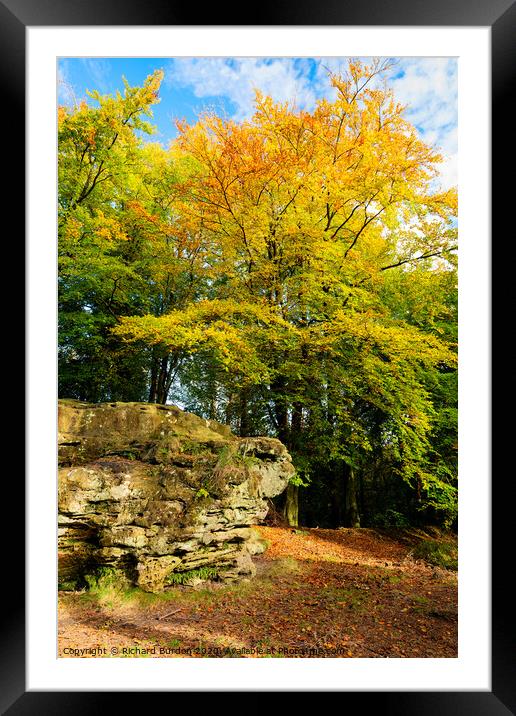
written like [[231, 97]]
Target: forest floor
[[317, 593]]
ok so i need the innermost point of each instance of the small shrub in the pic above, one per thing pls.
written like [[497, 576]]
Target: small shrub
[[233, 466], [107, 585], [438, 553]]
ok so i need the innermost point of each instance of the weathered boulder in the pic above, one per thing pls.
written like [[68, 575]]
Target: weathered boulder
[[159, 494]]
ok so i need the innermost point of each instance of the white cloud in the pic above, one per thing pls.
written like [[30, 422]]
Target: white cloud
[[449, 171], [236, 79], [429, 88]]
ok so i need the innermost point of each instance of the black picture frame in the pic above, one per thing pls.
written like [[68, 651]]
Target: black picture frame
[[500, 16]]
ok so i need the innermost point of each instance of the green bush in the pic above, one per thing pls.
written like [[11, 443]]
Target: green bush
[[438, 553], [107, 585], [390, 518]]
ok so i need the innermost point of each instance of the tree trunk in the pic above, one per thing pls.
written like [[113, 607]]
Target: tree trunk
[[361, 492], [164, 377], [229, 410], [291, 506], [281, 409], [352, 514], [161, 393], [338, 485], [174, 362], [213, 400], [153, 377], [243, 422], [296, 424]]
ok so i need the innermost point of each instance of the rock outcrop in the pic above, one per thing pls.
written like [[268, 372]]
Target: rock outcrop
[[160, 495]]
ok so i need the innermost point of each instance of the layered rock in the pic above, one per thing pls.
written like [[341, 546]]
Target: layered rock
[[159, 494]]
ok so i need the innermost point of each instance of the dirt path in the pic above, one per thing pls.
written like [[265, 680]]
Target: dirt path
[[318, 593]]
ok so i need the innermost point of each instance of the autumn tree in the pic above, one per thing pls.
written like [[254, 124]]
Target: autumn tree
[[120, 249], [301, 218]]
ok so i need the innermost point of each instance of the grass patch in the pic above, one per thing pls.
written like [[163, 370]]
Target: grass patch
[[284, 566], [438, 553], [67, 586], [347, 598], [109, 588], [203, 573], [233, 466], [336, 560], [421, 604], [394, 579], [381, 574], [420, 600], [257, 543]]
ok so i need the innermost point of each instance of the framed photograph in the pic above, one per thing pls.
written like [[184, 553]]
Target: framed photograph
[[445, 63]]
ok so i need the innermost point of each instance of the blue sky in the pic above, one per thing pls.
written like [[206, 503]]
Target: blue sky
[[428, 85]]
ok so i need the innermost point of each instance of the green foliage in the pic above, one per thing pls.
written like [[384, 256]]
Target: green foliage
[[108, 586], [439, 498], [437, 552], [389, 518], [233, 465], [202, 492], [104, 578], [204, 573], [115, 255], [303, 466]]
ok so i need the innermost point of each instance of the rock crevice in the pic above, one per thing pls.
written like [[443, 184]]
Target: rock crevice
[[160, 494]]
